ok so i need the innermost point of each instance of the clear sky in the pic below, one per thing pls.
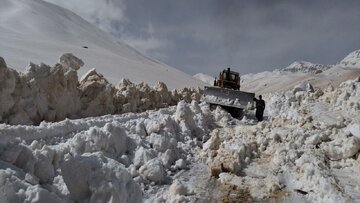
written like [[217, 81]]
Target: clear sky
[[209, 35]]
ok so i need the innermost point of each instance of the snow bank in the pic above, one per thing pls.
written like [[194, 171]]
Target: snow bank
[[308, 134], [53, 93], [115, 158]]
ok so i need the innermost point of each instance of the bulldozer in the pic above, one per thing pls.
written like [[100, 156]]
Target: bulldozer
[[226, 94]]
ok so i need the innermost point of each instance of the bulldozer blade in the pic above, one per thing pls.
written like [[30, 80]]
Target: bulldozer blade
[[228, 97]]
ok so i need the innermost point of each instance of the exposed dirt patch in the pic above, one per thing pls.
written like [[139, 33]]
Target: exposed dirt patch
[[232, 193]]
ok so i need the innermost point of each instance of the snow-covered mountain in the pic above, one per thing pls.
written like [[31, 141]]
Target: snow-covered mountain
[[351, 60], [37, 31], [306, 67], [302, 71], [205, 78]]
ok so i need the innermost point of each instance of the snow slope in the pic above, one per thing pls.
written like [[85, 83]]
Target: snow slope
[[38, 31], [205, 78]]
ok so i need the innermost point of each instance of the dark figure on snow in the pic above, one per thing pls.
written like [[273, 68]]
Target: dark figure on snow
[[260, 106]]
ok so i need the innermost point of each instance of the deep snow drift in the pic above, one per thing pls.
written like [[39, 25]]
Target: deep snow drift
[[38, 31]]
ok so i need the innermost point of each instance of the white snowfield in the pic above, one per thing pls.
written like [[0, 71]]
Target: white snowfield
[[38, 31]]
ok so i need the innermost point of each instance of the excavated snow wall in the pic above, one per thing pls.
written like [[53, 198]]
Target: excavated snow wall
[[53, 93]]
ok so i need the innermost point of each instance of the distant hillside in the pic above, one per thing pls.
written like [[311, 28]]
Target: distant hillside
[[351, 60]]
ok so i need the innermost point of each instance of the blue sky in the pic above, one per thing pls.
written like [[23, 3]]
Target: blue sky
[[209, 35]]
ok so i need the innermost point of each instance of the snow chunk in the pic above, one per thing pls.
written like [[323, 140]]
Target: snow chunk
[[303, 87], [153, 170], [111, 139], [96, 95], [68, 60], [177, 188], [14, 189], [342, 147], [354, 129], [95, 178], [143, 155], [162, 142]]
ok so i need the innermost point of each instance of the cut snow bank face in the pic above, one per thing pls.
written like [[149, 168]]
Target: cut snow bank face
[[53, 93], [39, 31]]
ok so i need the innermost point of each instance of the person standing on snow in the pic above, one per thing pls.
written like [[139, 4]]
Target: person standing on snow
[[260, 106]]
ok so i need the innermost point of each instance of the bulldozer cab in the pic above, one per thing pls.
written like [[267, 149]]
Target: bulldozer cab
[[228, 79]]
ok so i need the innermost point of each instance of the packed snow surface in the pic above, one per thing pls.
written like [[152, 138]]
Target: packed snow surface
[[38, 31]]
